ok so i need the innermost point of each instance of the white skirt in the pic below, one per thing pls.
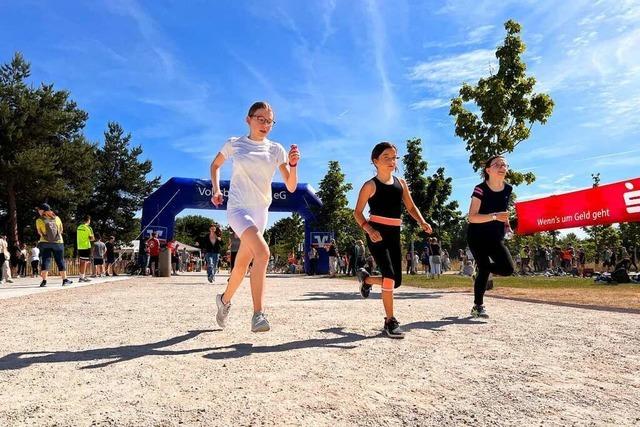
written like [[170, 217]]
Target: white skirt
[[242, 218]]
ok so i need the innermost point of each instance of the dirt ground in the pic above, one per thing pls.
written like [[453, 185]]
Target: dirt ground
[[614, 298], [147, 352]]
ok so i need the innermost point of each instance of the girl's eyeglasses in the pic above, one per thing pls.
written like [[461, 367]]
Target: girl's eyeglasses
[[264, 121]]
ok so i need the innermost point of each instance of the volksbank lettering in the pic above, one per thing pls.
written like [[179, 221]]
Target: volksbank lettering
[[204, 191], [281, 195]]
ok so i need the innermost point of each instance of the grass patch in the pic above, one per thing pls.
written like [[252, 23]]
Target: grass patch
[[563, 290], [521, 282]]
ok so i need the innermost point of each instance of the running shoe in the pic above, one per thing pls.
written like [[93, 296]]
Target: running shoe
[[210, 279], [365, 289], [479, 311], [259, 323], [84, 279], [223, 311], [66, 282], [392, 328], [43, 283], [489, 285]]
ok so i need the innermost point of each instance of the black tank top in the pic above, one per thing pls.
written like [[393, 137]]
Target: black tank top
[[387, 200]]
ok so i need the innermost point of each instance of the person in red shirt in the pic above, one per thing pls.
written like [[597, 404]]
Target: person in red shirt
[[172, 245], [154, 253]]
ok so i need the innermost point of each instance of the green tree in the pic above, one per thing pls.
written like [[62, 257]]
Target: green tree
[[44, 154], [630, 234], [285, 236], [445, 215], [599, 234], [507, 106], [189, 228], [120, 185], [334, 216], [423, 195]]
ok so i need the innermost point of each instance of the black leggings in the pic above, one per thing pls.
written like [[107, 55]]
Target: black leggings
[[387, 253], [500, 263]]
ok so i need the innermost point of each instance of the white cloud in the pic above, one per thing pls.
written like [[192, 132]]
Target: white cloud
[[445, 75], [431, 104], [479, 34], [379, 40], [563, 179], [475, 36]]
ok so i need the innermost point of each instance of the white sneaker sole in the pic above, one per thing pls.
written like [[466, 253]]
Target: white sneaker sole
[[261, 328]]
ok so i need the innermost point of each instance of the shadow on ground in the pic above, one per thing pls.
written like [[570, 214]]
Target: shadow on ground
[[347, 296], [115, 354], [342, 340]]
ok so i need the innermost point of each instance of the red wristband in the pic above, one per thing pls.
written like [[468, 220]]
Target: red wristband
[[292, 166]]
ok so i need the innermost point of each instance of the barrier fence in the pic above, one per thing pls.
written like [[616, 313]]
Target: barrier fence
[[72, 266]]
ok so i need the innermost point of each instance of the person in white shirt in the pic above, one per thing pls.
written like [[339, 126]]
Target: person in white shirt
[[255, 160], [35, 261], [5, 269]]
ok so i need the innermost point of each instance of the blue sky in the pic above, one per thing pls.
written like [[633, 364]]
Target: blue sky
[[341, 76]]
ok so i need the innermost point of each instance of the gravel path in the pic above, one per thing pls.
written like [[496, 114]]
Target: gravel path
[[148, 352]]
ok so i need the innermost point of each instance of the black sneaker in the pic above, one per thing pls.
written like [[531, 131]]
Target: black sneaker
[[66, 282], [479, 311], [489, 285], [392, 328], [43, 283], [365, 289]]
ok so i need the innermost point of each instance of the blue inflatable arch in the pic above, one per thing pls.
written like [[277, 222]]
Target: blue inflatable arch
[[161, 207]]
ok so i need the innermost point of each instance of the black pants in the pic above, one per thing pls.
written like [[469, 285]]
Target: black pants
[[387, 252], [500, 263]]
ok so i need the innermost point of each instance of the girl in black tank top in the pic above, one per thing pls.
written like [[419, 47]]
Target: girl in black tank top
[[488, 218], [385, 193]]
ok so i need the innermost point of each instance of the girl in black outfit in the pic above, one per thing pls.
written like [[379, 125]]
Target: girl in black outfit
[[488, 218], [385, 194]]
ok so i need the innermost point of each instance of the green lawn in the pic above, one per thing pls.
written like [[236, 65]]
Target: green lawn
[[523, 282]]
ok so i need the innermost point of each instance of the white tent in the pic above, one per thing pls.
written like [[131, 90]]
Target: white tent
[[189, 248]]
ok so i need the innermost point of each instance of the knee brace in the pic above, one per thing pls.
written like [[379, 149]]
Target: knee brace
[[387, 284]]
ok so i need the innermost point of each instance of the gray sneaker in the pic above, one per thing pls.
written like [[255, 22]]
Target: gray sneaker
[[259, 323], [223, 311]]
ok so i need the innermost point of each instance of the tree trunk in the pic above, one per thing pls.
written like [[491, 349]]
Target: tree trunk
[[13, 214]]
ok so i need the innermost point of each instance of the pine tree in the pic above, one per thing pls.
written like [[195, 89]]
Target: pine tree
[[44, 154], [121, 184]]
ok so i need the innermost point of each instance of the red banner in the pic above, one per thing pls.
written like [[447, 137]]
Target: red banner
[[605, 204]]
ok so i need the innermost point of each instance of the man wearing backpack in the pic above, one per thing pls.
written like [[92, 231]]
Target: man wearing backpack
[[50, 229], [84, 237]]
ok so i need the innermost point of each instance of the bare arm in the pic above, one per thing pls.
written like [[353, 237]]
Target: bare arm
[[478, 218], [290, 176], [367, 190], [290, 172], [412, 208], [216, 194]]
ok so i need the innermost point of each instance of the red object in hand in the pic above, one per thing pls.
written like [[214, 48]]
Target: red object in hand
[[293, 149]]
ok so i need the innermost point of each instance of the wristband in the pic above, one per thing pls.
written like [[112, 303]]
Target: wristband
[[292, 166]]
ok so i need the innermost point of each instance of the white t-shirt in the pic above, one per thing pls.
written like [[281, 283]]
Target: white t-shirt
[[254, 164], [35, 254]]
